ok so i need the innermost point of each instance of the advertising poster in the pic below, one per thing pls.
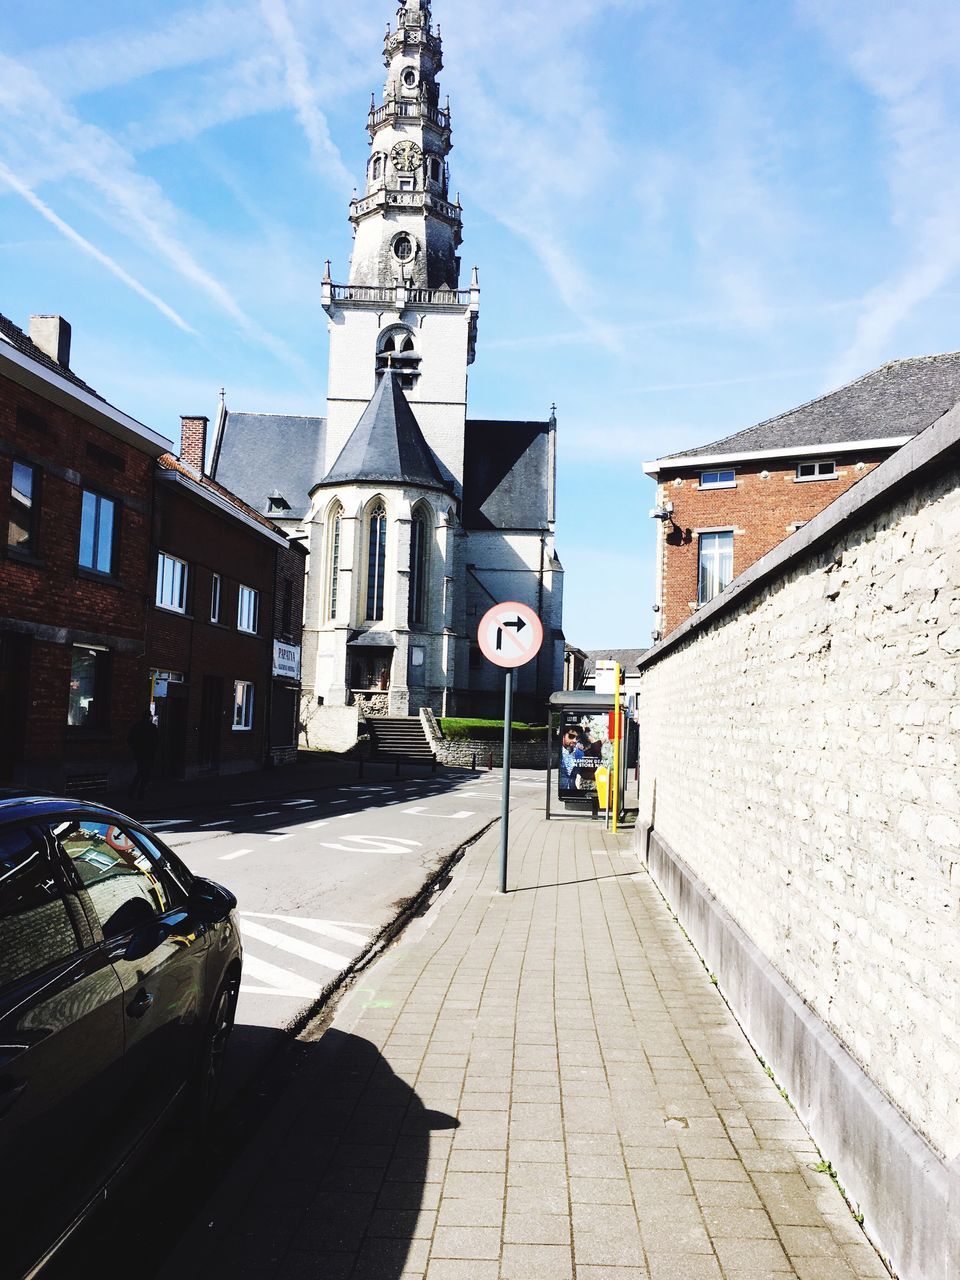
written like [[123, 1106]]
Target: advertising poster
[[584, 746]]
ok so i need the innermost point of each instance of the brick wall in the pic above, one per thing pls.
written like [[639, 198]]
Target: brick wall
[[800, 744], [51, 600], [763, 509], [211, 542]]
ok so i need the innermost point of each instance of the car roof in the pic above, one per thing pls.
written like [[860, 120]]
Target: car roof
[[18, 806]]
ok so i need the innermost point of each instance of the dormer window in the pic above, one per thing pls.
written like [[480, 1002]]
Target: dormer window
[[397, 350]]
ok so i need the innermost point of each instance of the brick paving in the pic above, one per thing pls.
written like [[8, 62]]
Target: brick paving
[[542, 1086]]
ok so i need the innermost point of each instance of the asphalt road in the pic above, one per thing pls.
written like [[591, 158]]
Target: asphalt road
[[317, 874]]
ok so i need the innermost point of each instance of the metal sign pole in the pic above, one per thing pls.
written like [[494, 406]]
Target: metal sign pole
[[505, 797]]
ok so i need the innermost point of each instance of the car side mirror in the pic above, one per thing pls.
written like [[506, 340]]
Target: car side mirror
[[210, 902]]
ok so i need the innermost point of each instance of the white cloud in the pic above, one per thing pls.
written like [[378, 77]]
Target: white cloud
[[46, 136], [301, 84], [907, 56]]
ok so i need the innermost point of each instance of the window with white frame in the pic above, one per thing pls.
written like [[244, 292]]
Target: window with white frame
[[715, 564], [242, 705], [216, 590], [248, 610], [718, 479], [171, 583], [819, 470]]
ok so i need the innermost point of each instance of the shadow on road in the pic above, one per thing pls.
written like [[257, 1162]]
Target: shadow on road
[[318, 1169]]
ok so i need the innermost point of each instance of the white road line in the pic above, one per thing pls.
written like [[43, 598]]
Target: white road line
[[268, 813], [327, 928], [205, 826], [276, 839], [339, 801], [295, 946], [425, 813], [374, 844], [240, 853], [283, 982], [315, 826], [166, 822], [299, 804], [245, 804]]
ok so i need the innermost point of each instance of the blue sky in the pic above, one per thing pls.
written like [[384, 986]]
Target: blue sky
[[687, 216]]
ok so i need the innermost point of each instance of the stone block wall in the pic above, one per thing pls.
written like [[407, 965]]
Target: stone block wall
[[469, 753], [799, 751]]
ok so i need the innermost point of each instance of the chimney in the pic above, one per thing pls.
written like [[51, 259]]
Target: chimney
[[193, 443], [52, 335]]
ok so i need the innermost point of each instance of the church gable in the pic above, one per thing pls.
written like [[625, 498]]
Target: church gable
[[507, 475], [259, 455]]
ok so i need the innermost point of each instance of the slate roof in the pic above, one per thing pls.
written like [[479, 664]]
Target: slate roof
[[387, 445], [898, 399], [18, 339], [506, 475], [257, 454], [628, 658]]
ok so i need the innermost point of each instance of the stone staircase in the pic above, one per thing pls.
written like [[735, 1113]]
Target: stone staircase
[[399, 738]]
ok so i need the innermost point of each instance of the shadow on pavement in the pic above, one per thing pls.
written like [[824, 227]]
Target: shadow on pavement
[[317, 1170]]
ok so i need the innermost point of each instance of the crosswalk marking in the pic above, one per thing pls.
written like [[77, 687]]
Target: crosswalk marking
[[325, 927], [420, 812], [282, 982], [295, 946]]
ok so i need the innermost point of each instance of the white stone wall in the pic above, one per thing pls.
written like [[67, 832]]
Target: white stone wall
[[800, 753]]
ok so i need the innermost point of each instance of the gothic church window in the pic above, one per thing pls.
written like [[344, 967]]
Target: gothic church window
[[418, 569], [333, 587], [376, 563]]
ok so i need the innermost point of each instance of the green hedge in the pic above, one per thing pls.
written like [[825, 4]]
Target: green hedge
[[458, 730]]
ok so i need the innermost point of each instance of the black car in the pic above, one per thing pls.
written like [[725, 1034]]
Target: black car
[[119, 974]]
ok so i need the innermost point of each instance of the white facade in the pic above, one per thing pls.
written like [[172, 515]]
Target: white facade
[[403, 315]]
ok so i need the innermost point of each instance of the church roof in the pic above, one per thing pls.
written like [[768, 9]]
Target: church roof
[[507, 480], [387, 445], [260, 455], [891, 403]]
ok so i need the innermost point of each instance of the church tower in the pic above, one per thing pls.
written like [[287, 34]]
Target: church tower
[[403, 307]]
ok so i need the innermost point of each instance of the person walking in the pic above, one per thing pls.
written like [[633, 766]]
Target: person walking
[[143, 740]]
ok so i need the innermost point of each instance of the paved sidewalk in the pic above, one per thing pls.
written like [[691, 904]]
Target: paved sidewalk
[[532, 1087]]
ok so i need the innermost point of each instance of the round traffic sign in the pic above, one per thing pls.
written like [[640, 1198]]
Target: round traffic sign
[[510, 634]]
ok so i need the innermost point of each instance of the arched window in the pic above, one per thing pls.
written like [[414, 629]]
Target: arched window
[[334, 527], [397, 350], [403, 247], [376, 563], [418, 568], [377, 163]]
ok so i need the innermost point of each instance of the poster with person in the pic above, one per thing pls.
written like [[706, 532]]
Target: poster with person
[[584, 746]]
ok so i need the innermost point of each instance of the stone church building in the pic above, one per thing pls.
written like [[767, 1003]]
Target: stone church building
[[417, 517]]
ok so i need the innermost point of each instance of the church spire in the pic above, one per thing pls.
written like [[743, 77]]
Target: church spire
[[407, 229]]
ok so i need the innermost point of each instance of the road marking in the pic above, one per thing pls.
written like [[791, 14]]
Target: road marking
[[205, 826], [420, 812], [295, 946], [277, 839], [327, 928], [283, 982], [299, 804], [315, 826], [245, 804], [339, 801], [268, 813], [229, 857], [374, 844], [166, 822]]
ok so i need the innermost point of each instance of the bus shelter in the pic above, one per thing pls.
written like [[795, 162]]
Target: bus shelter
[[591, 746]]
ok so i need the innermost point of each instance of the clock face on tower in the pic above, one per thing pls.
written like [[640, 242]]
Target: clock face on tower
[[406, 157]]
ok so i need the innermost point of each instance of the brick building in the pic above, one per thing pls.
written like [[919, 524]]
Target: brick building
[[76, 477], [223, 633], [722, 506]]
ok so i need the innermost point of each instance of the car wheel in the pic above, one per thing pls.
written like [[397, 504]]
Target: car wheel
[[210, 1073]]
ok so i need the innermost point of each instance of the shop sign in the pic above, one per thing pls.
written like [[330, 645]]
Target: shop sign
[[286, 660]]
